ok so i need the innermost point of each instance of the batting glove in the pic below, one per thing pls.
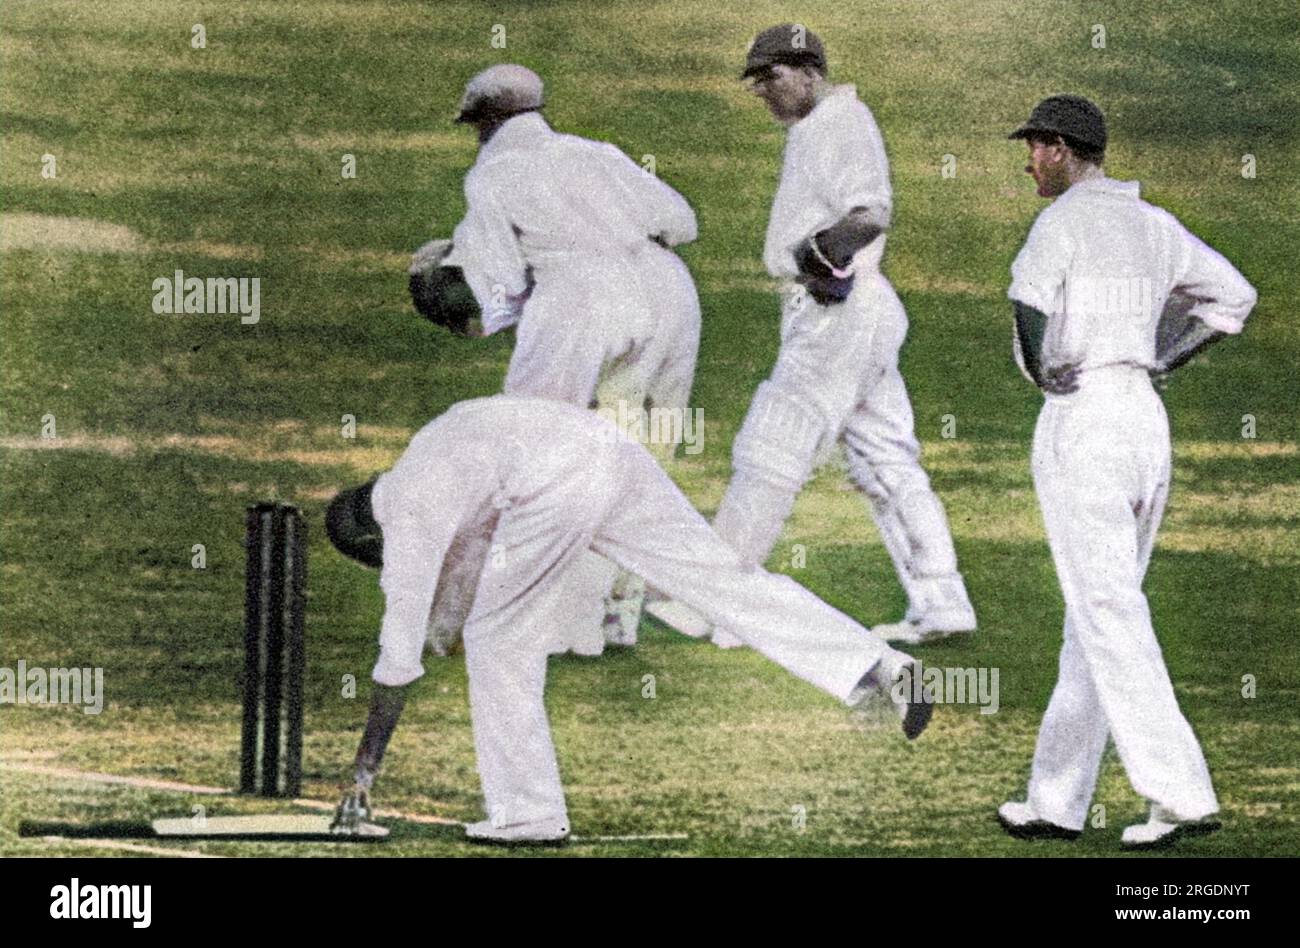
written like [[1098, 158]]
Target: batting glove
[[826, 284]]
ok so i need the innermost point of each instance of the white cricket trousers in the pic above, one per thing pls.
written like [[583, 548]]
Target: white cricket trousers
[[626, 509], [837, 377], [633, 348], [1101, 464]]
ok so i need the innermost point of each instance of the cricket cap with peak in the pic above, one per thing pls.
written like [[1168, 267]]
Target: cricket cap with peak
[[499, 92], [1070, 116], [789, 44]]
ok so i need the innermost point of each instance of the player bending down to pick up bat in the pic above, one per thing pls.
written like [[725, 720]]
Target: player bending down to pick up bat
[[540, 483]]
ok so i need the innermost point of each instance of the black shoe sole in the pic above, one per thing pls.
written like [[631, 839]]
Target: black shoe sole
[[1038, 829], [1183, 831], [917, 717]]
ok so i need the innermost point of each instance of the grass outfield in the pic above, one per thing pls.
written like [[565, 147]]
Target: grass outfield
[[226, 161]]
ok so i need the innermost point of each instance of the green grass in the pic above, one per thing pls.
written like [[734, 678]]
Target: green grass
[[226, 161]]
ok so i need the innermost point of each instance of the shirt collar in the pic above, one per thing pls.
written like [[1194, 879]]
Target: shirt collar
[[515, 132], [834, 96], [1106, 185]]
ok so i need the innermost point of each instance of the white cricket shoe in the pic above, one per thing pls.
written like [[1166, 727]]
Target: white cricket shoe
[[928, 628], [891, 680], [680, 617], [547, 832], [622, 620], [944, 609], [1023, 822], [1164, 828]]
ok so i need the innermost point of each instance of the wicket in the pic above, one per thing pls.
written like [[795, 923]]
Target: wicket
[[274, 601]]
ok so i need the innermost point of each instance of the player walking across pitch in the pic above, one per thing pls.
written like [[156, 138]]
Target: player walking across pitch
[[1102, 467], [836, 377], [541, 483]]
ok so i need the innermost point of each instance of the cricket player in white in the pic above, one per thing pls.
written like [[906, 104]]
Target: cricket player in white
[[546, 482], [568, 238], [836, 377], [1090, 290]]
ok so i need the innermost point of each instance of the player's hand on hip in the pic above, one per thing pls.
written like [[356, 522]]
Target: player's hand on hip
[[1159, 375], [1061, 379]]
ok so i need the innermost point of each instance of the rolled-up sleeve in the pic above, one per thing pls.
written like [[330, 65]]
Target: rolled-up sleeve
[[416, 538]]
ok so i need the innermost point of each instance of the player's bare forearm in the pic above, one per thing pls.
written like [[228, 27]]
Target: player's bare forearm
[[385, 710]]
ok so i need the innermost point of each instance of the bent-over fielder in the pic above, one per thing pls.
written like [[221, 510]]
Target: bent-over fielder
[[532, 485]]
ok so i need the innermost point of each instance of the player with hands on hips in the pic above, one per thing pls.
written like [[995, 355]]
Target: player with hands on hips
[[836, 377], [1109, 291]]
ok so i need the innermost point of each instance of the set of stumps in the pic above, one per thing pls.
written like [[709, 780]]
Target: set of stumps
[[270, 760]]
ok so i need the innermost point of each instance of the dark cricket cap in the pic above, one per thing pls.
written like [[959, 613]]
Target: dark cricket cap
[[1070, 116], [790, 44], [499, 92]]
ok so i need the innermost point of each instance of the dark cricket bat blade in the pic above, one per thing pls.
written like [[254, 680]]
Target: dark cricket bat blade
[[268, 828]]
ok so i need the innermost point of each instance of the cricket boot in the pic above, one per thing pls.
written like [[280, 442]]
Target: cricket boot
[[892, 681], [1164, 828], [1023, 822], [940, 607], [553, 831]]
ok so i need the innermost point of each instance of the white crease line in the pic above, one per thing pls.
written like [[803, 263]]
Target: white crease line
[[444, 821], [129, 847], [392, 814], [634, 838], [148, 784]]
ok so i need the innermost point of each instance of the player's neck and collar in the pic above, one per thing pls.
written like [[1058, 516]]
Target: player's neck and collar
[[826, 96], [515, 132], [1093, 180]]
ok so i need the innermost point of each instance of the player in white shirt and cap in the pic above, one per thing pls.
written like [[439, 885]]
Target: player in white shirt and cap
[[568, 238], [836, 377], [531, 485], [1109, 290]]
